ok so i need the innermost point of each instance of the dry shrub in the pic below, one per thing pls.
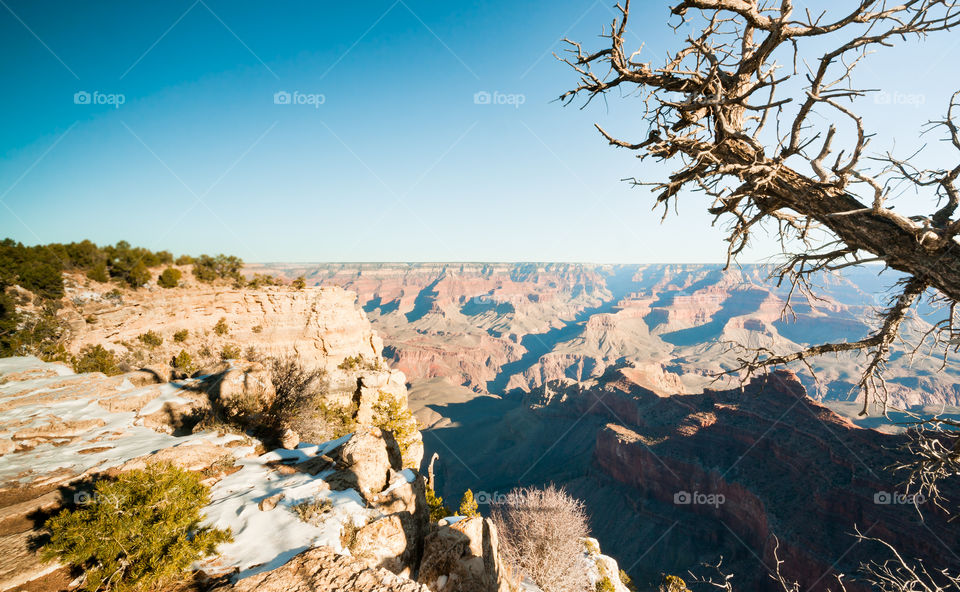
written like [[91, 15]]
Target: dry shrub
[[540, 533], [300, 403]]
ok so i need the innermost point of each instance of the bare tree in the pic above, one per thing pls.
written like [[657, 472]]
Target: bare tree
[[541, 532], [757, 110], [713, 109]]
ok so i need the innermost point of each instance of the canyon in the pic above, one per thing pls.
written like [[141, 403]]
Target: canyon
[[601, 378], [61, 431]]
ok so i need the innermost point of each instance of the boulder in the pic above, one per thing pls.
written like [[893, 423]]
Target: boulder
[[269, 503], [289, 439], [322, 570], [408, 503], [385, 543], [464, 556], [366, 462]]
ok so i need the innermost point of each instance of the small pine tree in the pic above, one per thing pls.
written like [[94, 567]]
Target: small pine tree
[[230, 352], [221, 327], [138, 532], [392, 416], [96, 359], [151, 339], [435, 503], [98, 273], [139, 275], [170, 278], [468, 505], [184, 363], [673, 584], [627, 581]]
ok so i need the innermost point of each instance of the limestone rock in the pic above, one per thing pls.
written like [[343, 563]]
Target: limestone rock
[[57, 429], [190, 457], [385, 543], [464, 556], [366, 462], [322, 570], [271, 502], [289, 439], [321, 326]]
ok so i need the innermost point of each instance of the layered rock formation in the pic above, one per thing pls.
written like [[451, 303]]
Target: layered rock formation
[[500, 327], [322, 326]]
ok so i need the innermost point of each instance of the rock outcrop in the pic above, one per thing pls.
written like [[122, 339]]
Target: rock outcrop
[[464, 556], [369, 519], [321, 569], [322, 326]]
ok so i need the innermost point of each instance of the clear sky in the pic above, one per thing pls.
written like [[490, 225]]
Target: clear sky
[[382, 152]]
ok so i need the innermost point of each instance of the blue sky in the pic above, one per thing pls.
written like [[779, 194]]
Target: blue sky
[[398, 162]]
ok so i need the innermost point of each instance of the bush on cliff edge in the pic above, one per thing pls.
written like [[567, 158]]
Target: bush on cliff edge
[[136, 532]]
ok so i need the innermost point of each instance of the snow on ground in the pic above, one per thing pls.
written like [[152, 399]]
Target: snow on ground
[[264, 540], [118, 440]]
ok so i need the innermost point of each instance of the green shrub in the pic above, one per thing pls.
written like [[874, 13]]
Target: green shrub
[[438, 509], [138, 532], [95, 358], [392, 416], [339, 420], [358, 362], [258, 329], [184, 260], [468, 505], [138, 276], [673, 584], [181, 336], [41, 333], [170, 278], [208, 269], [299, 283], [627, 581], [259, 280], [435, 503], [230, 352], [183, 362], [604, 584], [221, 327], [98, 273], [151, 339]]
